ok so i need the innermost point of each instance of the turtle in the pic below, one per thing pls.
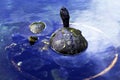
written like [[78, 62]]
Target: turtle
[[37, 27], [32, 39], [67, 40]]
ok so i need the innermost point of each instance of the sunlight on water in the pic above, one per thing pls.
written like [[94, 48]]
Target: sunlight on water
[[103, 15]]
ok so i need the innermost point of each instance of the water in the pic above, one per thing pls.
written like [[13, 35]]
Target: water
[[98, 21]]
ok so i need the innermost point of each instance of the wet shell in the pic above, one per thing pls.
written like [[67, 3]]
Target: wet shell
[[37, 27], [68, 41]]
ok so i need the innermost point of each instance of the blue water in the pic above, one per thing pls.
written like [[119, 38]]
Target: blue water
[[98, 21]]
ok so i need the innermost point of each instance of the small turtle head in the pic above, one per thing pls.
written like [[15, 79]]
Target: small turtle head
[[32, 39], [65, 16]]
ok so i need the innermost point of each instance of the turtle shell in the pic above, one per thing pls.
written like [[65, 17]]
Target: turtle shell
[[68, 41], [37, 27]]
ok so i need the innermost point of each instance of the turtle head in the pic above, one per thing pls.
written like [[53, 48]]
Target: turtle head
[[65, 16]]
